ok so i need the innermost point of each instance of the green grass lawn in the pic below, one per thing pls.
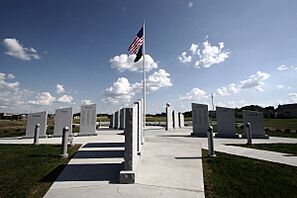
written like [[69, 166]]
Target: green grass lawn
[[29, 170], [280, 147], [12, 128], [281, 134], [233, 176]]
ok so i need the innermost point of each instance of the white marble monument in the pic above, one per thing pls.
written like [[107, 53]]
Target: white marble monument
[[111, 121], [63, 118], [117, 120], [128, 174], [122, 118], [257, 123], [140, 137], [88, 120], [199, 120], [181, 120], [225, 122], [33, 119], [175, 119], [169, 124]]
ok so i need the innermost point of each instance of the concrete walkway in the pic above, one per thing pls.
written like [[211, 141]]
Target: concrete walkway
[[170, 165], [168, 168], [223, 145]]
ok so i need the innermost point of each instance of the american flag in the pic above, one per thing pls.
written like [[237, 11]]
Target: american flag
[[138, 41]]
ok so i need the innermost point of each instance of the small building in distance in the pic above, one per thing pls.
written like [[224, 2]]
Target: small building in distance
[[6, 116], [286, 111], [12, 116]]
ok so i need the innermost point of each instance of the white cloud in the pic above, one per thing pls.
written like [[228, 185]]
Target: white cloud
[[190, 4], [157, 80], [232, 104], [194, 94], [194, 48], [124, 62], [60, 88], [292, 98], [280, 86], [154, 82], [45, 99], [282, 67], [15, 49], [205, 55], [11, 96], [121, 91], [86, 102], [211, 55], [65, 99], [184, 58], [254, 81], [10, 76], [7, 85]]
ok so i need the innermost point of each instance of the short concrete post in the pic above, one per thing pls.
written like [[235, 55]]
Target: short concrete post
[[36, 134], [65, 142], [211, 152], [249, 133]]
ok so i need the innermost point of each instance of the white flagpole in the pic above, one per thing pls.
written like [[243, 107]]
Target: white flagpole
[[144, 76]]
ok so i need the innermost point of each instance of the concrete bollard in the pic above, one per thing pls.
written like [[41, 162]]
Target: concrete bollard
[[249, 133], [36, 134], [211, 151], [65, 142]]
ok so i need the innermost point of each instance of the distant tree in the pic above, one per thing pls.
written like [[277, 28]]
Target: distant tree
[[188, 114]]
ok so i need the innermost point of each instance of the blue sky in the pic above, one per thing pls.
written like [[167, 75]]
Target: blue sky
[[67, 53]]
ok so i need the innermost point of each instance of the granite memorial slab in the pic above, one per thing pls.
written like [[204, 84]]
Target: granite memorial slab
[[33, 119], [225, 122], [88, 120], [63, 118], [122, 118], [257, 123], [175, 119], [127, 175], [169, 123], [200, 120], [181, 120]]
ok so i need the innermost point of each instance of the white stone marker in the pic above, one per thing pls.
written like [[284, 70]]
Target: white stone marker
[[257, 123], [199, 120], [122, 118], [117, 120], [140, 138], [225, 122], [127, 175], [33, 119], [181, 120], [111, 121], [88, 120], [169, 123], [175, 119], [63, 118]]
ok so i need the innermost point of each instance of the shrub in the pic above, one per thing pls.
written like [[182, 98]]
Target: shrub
[[287, 130]]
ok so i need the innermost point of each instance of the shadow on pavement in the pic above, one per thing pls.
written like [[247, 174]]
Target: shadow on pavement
[[85, 172], [104, 144], [188, 157], [99, 154]]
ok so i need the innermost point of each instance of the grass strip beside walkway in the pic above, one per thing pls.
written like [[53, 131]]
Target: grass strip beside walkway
[[234, 176], [29, 170], [277, 147]]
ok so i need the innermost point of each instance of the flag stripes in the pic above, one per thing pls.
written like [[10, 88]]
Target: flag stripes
[[133, 48], [137, 42]]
